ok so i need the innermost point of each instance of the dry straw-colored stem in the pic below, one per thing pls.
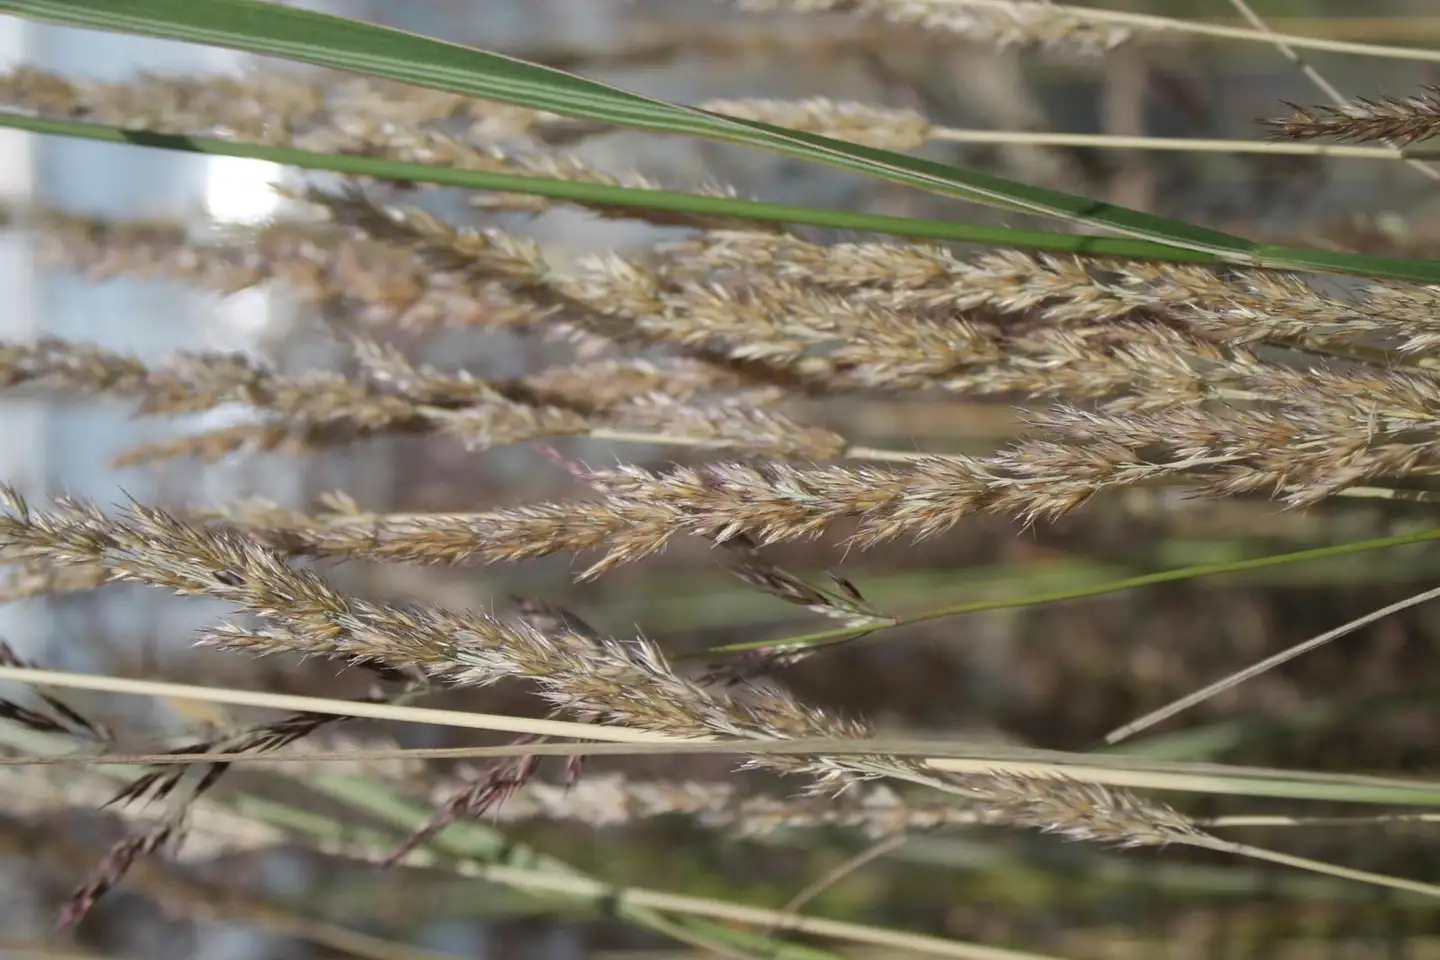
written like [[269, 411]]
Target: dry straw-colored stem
[[902, 129], [1269, 663], [1104, 141]]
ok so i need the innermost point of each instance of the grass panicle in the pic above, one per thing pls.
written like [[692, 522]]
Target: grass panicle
[[593, 679], [792, 379]]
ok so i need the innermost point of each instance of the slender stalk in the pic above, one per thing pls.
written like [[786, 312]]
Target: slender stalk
[[1226, 31], [1102, 141], [1319, 866], [371, 711], [1269, 663], [1114, 586]]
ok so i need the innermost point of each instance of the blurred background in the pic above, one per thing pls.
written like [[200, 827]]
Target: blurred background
[[1055, 676]]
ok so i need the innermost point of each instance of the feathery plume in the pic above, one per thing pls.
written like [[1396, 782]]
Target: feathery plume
[[1227, 306], [321, 408], [1002, 23]]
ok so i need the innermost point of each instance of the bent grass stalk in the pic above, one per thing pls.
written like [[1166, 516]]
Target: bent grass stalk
[[1035, 775]]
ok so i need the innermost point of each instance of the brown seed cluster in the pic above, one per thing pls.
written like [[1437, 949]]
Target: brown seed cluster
[[1401, 120]]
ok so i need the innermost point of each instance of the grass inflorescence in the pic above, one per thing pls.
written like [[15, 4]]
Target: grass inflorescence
[[744, 351]]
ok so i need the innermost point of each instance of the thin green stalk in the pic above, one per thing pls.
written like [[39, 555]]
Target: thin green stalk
[[823, 637]]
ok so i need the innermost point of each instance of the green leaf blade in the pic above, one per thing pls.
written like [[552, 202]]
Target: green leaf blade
[[261, 27], [329, 41]]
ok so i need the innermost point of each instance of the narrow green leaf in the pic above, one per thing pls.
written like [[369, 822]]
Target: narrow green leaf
[[324, 40], [635, 198], [640, 200], [262, 27], [258, 26], [1086, 591]]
